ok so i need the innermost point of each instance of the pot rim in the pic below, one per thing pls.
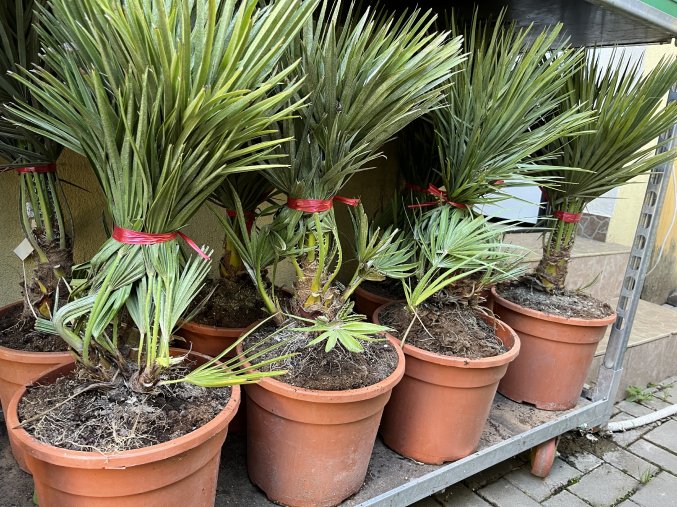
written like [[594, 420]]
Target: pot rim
[[24, 356], [371, 296], [537, 314], [211, 330], [458, 361], [346, 396], [124, 459]]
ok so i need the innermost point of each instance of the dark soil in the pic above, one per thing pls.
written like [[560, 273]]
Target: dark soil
[[313, 368], [388, 288], [111, 417], [566, 303], [17, 333], [235, 303], [446, 330]]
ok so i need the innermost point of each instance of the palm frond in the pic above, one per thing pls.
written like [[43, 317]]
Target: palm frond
[[500, 110]]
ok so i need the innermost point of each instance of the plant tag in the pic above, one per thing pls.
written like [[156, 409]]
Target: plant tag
[[24, 250]]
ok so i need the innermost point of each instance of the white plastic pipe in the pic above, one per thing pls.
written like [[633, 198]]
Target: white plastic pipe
[[642, 421]]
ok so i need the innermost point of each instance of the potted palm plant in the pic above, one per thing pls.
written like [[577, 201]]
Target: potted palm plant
[[456, 350], [486, 143], [165, 100], [24, 352], [366, 78], [563, 326]]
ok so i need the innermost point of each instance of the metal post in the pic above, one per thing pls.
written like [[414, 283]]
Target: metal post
[[635, 272]]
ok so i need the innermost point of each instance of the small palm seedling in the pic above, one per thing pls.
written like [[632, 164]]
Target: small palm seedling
[[165, 99], [458, 257], [366, 78], [629, 116], [42, 208]]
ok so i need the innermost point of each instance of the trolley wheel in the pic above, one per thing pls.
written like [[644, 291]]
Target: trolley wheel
[[542, 458]]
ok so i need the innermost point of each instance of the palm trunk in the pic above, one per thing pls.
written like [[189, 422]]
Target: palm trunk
[[552, 270], [43, 224]]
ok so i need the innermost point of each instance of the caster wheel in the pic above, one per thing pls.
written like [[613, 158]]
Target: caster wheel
[[542, 458]]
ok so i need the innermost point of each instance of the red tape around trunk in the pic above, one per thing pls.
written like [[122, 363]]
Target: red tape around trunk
[[41, 169], [570, 218], [129, 237], [441, 198], [318, 205], [564, 216]]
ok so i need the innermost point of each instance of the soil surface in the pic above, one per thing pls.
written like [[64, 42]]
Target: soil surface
[[313, 368], [567, 303], [18, 334], [444, 329], [235, 303], [388, 288], [110, 417]]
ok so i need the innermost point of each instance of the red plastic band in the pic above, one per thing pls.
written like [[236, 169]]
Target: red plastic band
[[441, 198], [498, 182], [130, 237], [40, 169], [318, 205], [249, 216], [570, 218]]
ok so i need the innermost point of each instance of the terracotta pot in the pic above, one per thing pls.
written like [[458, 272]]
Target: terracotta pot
[[438, 412], [367, 302], [17, 368], [210, 340], [308, 447], [556, 355], [182, 471]]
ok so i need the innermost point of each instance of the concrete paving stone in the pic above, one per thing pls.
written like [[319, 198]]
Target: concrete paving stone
[[627, 462], [625, 438], [665, 435], [564, 499], [627, 503], [665, 459], [460, 495], [483, 478], [604, 486], [540, 489], [655, 403], [634, 409], [661, 491], [503, 494], [584, 461]]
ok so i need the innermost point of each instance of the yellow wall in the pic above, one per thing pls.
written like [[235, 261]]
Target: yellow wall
[[630, 197]]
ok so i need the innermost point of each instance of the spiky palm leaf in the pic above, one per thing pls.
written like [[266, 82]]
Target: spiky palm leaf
[[453, 248], [165, 99], [629, 116], [499, 110]]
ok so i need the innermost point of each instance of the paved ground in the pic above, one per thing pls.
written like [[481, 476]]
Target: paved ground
[[630, 469]]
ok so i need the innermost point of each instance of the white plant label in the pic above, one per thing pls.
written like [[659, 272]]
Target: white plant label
[[24, 250]]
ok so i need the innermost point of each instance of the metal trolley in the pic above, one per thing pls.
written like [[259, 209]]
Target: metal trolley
[[512, 427]]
